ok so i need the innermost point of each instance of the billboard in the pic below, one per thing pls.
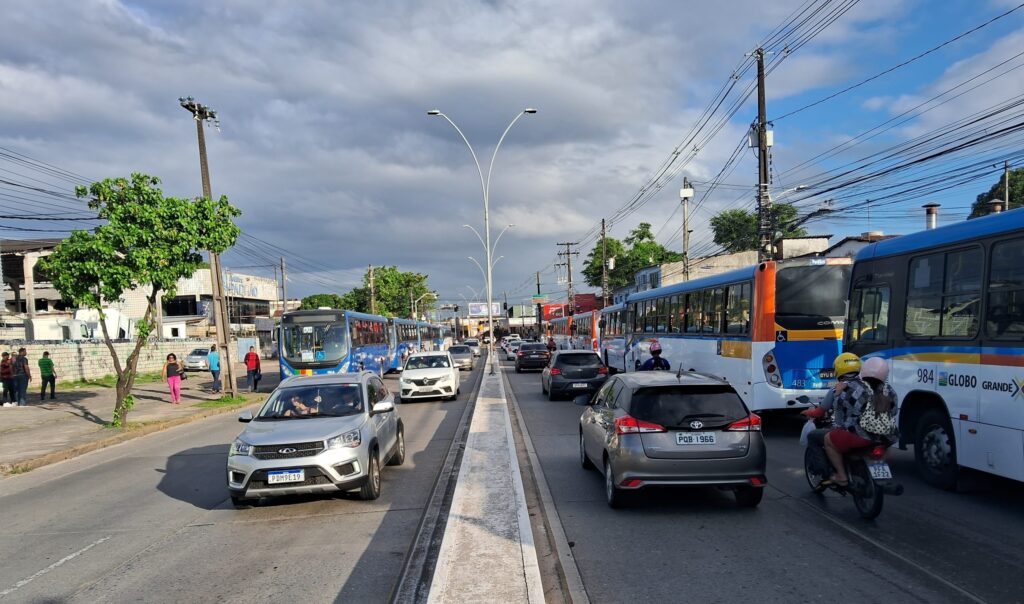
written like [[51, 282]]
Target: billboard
[[479, 309]]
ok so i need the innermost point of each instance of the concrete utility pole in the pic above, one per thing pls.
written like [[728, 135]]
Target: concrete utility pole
[[765, 228], [202, 114], [1006, 183], [568, 253], [373, 294], [540, 310], [604, 264], [685, 195], [284, 287]]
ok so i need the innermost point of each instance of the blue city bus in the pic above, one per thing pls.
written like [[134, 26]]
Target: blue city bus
[[426, 339], [612, 342], [313, 342], [405, 340], [771, 330], [945, 308]]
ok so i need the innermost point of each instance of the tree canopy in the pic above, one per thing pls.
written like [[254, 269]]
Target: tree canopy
[[148, 241], [392, 288], [736, 230], [981, 206], [638, 250], [322, 301]]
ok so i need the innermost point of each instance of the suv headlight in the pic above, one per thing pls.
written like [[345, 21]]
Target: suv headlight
[[349, 440], [240, 448]]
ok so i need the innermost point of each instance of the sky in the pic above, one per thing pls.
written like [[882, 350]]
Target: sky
[[326, 146]]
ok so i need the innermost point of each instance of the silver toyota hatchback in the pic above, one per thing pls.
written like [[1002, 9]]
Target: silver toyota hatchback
[[656, 428], [317, 434]]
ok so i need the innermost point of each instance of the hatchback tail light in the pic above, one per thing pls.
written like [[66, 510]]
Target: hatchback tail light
[[556, 371], [602, 370], [631, 425], [750, 423], [519, 354]]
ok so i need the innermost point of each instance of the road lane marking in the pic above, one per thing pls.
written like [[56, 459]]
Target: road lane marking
[[51, 567]]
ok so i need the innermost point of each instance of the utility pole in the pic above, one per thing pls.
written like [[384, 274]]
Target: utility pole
[[412, 306], [686, 194], [765, 228], [1006, 184], [604, 265], [568, 253], [202, 114], [540, 311], [373, 294], [284, 290]]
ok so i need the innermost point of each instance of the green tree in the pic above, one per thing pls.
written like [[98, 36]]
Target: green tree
[[316, 301], [392, 288], [149, 241], [736, 230], [981, 207], [643, 251]]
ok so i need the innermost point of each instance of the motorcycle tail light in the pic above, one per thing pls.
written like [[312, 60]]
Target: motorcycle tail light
[[878, 452]]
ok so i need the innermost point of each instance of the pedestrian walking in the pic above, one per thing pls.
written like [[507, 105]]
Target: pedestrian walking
[[172, 372], [253, 374], [10, 395], [48, 376], [214, 360], [22, 376]]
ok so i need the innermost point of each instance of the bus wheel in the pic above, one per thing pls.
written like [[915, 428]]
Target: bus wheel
[[935, 450]]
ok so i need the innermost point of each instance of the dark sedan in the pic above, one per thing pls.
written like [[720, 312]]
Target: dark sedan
[[573, 372], [532, 356]]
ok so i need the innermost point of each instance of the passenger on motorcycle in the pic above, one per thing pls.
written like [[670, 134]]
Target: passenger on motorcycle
[[851, 406], [655, 363]]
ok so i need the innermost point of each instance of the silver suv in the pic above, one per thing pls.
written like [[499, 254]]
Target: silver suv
[[317, 434]]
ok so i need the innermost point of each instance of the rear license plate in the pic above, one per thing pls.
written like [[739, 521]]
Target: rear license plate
[[579, 385], [880, 471], [283, 476], [695, 438]]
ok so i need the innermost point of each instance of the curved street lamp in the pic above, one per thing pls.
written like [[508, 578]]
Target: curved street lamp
[[485, 185]]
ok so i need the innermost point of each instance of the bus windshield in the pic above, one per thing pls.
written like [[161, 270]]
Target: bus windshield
[[318, 343], [811, 297]]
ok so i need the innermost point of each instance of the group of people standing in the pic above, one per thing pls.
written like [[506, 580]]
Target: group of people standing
[[174, 372], [16, 373]]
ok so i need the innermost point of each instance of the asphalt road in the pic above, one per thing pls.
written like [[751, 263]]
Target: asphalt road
[[697, 545], [150, 520]]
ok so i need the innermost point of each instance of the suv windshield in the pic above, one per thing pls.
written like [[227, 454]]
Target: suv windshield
[[579, 360], [430, 362], [676, 406], [305, 402], [459, 350], [314, 343]]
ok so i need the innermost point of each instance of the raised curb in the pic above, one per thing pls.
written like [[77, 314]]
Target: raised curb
[[79, 450]]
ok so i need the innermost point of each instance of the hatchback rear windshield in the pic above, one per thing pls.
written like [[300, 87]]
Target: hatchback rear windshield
[[579, 360], [459, 350], [677, 406], [526, 347]]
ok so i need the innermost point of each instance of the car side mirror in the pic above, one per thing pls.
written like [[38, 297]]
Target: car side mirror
[[245, 417], [583, 400], [383, 407]]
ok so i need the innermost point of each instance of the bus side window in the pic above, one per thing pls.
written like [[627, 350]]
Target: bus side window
[[1004, 316], [869, 314]]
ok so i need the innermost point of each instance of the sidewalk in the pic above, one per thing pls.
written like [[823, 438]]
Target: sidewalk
[[488, 553], [77, 417]]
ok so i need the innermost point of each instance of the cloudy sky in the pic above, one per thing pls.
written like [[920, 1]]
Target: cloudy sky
[[326, 146]]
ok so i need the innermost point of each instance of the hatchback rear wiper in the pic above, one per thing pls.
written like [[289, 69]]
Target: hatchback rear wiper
[[695, 415]]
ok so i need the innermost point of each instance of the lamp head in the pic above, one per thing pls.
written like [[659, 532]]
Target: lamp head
[[529, 110], [434, 112]]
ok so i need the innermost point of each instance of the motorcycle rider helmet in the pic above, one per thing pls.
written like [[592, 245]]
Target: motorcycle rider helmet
[[875, 368], [655, 347], [846, 363]]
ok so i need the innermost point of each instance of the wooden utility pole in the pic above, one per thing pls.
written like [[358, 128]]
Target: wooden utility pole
[[765, 228], [203, 114], [568, 253]]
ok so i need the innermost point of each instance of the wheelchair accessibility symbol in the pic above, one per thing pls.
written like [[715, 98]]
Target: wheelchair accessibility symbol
[[781, 336]]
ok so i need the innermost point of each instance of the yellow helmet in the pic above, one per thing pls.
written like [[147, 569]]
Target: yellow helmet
[[846, 363]]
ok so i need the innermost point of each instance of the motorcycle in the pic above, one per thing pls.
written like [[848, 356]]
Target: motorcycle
[[870, 477]]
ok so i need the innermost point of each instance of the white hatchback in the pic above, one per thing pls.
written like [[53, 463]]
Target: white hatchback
[[430, 375]]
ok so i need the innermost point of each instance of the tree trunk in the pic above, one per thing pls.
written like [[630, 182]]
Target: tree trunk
[[126, 375]]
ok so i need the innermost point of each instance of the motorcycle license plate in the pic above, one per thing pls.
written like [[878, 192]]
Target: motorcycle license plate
[[880, 471]]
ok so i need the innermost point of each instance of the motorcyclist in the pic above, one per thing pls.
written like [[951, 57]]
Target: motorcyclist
[[846, 367], [851, 400], [656, 362], [552, 346]]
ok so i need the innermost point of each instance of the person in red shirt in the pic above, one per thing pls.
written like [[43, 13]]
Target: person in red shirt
[[252, 369]]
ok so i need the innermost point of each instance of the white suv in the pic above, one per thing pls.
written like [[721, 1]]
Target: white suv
[[429, 375]]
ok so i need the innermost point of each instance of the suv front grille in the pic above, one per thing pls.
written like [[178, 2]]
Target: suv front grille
[[288, 451]]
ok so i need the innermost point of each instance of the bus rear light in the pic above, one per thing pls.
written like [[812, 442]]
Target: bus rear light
[[771, 369], [768, 358]]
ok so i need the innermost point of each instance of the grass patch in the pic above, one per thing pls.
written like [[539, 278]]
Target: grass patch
[[224, 401], [19, 470], [109, 381], [131, 425]]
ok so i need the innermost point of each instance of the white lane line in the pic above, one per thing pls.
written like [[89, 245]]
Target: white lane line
[[56, 564]]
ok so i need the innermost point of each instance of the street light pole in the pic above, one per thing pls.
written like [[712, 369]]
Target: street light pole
[[485, 184], [202, 114]]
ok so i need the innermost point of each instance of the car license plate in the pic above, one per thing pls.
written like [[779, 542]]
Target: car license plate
[[880, 471], [579, 385], [284, 476], [695, 438]]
